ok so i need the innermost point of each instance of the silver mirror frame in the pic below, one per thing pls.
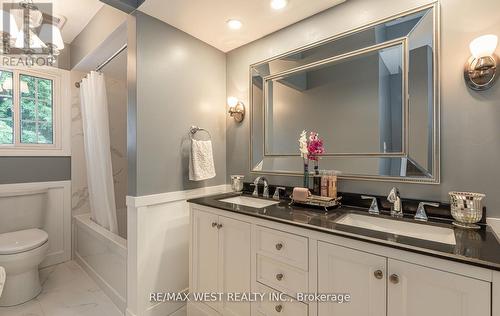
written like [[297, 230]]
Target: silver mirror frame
[[434, 178]]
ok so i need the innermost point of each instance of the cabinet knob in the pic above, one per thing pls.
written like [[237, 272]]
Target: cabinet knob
[[214, 224], [219, 226], [378, 274], [279, 308], [279, 246], [394, 278], [279, 276]]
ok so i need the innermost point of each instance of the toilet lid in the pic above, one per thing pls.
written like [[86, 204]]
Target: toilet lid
[[21, 241]]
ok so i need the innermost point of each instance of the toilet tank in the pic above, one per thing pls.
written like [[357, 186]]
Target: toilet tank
[[22, 210]]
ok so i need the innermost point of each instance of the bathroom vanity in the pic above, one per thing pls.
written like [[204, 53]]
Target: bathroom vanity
[[272, 247]]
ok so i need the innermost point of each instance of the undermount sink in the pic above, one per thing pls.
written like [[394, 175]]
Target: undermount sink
[[249, 201], [414, 230]]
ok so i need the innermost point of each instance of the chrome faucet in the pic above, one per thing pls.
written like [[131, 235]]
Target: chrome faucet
[[395, 199], [421, 215], [374, 206], [256, 182]]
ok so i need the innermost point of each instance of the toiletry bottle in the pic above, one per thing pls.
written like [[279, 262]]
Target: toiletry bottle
[[317, 182], [332, 185], [324, 184]]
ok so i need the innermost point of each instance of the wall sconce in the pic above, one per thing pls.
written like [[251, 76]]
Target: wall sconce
[[481, 69], [236, 109]]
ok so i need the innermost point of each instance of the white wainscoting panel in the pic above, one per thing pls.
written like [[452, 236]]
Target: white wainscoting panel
[[57, 220], [158, 249]]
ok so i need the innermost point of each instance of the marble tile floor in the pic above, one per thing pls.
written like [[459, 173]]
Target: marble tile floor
[[67, 291]]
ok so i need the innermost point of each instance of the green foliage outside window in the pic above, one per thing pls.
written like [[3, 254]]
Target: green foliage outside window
[[36, 110], [35, 107], [6, 117]]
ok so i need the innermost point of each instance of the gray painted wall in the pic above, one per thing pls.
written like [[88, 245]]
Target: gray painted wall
[[34, 169], [470, 121], [181, 81]]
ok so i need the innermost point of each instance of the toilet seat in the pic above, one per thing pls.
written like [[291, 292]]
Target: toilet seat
[[22, 241]]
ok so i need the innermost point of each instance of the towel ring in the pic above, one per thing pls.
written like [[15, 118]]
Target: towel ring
[[195, 129]]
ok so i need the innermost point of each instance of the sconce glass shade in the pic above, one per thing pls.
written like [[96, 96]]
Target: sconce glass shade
[[481, 70], [483, 46], [232, 101], [236, 109], [50, 34], [7, 19]]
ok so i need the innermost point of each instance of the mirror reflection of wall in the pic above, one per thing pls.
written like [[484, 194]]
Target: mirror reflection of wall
[[327, 99]]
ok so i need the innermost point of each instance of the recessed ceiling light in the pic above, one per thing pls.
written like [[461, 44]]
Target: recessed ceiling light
[[278, 4], [234, 24]]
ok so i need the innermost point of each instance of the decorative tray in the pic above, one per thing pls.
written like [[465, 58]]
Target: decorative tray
[[319, 202]]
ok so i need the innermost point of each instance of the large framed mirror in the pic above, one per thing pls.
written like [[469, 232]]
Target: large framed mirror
[[372, 94]]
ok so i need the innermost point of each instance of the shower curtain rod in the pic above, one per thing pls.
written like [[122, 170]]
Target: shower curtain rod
[[105, 63]]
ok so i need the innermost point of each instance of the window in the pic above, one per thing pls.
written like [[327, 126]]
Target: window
[[36, 110], [6, 104], [29, 114]]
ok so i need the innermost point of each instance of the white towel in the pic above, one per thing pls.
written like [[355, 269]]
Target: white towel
[[201, 160], [3, 276]]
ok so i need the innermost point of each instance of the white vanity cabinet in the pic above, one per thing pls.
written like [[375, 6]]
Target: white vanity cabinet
[[220, 262], [231, 252], [414, 290], [404, 289], [360, 274]]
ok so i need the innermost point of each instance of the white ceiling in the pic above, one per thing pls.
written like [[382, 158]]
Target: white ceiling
[[77, 12], [206, 19]]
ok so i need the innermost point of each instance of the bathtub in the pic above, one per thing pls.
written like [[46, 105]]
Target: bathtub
[[103, 255]]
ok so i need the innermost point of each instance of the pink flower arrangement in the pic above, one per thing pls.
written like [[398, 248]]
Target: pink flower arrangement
[[311, 147], [315, 146]]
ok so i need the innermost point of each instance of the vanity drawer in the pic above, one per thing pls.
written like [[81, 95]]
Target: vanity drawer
[[291, 248], [276, 307], [280, 276]]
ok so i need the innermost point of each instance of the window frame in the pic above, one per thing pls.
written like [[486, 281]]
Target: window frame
[[60, 142]]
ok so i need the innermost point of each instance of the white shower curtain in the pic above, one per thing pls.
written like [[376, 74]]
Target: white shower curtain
[[97, 151]]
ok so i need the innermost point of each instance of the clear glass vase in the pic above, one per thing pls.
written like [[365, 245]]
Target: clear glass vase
[[306, 173]]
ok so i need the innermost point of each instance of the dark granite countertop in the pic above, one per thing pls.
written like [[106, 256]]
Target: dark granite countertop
[[475, 247]]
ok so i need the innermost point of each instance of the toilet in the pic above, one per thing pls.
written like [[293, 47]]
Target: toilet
[[20, 254], [23, 244]]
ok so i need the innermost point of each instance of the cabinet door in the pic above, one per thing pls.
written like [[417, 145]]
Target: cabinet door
[[414, 290], [234, 264], [359, 274], [205, 250]]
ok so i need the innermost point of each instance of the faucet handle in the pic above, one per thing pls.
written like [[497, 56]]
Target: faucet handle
[[276, 195], [421, 215], [256, 190], [374, 206], [393, 195]]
